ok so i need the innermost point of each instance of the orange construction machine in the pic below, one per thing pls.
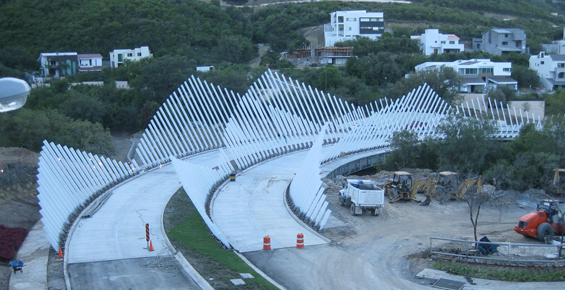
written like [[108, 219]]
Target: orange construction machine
[[542, 224]]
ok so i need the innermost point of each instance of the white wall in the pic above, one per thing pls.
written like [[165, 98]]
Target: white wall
[[543, 65], [130, 54], [351, 24]]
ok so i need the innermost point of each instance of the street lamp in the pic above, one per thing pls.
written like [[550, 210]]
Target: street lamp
[[13, 94]]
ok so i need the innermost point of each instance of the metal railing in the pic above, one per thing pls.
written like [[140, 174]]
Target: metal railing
[[495, 251]]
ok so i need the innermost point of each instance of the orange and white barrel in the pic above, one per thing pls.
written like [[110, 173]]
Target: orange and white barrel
[[300, 241], [266, 243]]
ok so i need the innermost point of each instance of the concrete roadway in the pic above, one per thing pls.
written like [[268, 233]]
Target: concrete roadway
[[109, 251], [253, 207]]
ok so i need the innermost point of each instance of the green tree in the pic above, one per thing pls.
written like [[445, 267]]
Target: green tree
[[445, 81], [27, 128], [83, 107], [404, 144], [235, 49], [555, 103], [160, 77], [466, 145], [525, 76]]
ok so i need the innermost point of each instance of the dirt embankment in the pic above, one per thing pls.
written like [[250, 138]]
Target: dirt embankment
[[18, 194], [14, 155]]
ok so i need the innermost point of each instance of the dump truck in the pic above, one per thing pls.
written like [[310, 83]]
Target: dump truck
[[542, 224], [362, 194]]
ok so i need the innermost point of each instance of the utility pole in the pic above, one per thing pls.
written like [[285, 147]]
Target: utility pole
[[326, 82]]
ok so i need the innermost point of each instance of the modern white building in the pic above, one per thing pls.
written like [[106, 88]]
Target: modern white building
[[433, 42], [118, 56], [481, 75], [550, 69], [58, 64], [89, 62], [347, 25]]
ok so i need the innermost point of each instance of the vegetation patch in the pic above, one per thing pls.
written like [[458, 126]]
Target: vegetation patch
[[503, 273], [18, 182], [11, 239], [191, 237]]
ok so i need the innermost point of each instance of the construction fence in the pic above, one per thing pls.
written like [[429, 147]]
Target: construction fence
[[501, 252]]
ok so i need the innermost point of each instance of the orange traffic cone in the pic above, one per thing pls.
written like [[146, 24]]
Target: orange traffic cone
[[151, 246], [60, 253]]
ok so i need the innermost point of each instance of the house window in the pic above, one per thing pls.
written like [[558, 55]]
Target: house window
[[443, 42], [120, 57], [350, 28], [506, 35], [468, 71], [561, 65], [139, 54], [561, 75], [486, 70], [340, 19], [506, 69], [505, 43], [452, 42], [130, 54], [351, 19], [542, 62]]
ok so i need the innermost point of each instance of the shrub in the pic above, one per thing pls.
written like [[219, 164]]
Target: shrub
[[11, 240]]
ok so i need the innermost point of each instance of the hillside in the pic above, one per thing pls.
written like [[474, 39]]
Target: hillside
[[208, 32], [186, 33]]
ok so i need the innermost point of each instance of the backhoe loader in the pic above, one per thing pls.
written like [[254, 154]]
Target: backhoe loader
[[447, 188], [399, 186]]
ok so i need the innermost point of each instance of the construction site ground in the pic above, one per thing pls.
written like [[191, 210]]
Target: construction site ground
[[365, 245], [390, 244]]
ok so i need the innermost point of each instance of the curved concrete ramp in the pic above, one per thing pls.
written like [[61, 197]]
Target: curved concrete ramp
[[117, 230], [253, 207]]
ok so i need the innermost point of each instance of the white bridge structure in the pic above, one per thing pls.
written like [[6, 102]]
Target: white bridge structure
[[276, 116]]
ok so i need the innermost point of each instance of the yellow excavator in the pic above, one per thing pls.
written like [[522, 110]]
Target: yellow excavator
[[398, 188], [401, 187], [447, 188]]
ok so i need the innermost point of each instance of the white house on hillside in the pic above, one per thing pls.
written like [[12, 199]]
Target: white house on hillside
[[89, 62], [481, 75], [118, 56], [433, 42], [550, 68], [346, 25], [58, 64]]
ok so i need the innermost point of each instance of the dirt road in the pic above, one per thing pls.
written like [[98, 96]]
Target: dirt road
[[370, 249]]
